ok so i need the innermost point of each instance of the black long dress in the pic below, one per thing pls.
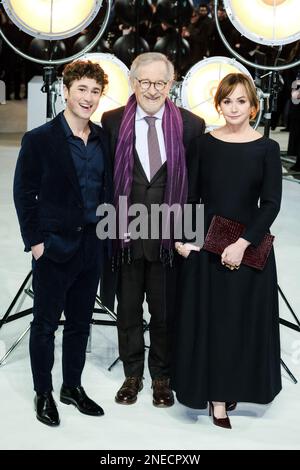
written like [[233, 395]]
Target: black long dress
[[227, 344]]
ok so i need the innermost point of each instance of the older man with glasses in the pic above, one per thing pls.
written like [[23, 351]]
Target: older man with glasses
[[148, 139]]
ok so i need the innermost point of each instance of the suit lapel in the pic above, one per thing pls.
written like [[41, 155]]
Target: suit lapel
[[158, 173], [139, 165], [61, 148], [186, 129], [114, 124]]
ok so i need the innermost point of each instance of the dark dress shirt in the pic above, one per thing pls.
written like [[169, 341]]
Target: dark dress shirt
[[89, 165]]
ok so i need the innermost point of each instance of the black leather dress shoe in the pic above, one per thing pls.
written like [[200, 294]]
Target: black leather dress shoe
[[46, 410], [127, 394], [77, 396], [162, 394]]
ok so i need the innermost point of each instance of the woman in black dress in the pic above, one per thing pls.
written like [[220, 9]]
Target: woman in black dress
[[227, 347]]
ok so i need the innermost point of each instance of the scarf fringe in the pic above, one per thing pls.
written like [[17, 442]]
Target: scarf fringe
[[166, 256], [123, 256]]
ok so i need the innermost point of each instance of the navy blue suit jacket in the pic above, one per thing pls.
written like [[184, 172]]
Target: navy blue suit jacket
[[47, 194]]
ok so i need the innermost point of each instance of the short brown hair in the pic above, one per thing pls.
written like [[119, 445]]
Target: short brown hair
[[84, 68], [229, 83]]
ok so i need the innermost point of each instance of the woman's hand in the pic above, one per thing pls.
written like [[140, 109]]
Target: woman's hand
[[233, 254], [184, 249]]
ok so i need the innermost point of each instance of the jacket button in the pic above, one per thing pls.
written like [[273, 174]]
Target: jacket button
[[78, 229]]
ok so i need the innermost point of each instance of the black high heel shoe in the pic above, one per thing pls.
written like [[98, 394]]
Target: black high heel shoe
[[222, 422], [230, 405]]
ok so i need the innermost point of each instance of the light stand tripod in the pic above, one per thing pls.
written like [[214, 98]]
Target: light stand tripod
[[49, 77], [271, 105], [49, 87], [271, 100], [25, 288]]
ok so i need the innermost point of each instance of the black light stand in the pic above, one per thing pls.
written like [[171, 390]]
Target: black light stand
[[271, 105], [271, 99], [274, 86], [49, 77], [7, 318]]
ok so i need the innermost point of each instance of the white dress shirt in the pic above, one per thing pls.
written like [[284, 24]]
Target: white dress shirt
[[141, 137]]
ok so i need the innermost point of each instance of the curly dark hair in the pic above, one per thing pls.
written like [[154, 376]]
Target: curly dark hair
[[84, 68]]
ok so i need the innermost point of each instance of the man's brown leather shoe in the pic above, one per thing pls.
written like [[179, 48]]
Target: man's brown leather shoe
[[127, 395], [162, 394]]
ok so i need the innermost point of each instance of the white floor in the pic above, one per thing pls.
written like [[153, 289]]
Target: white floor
[[140, 426]]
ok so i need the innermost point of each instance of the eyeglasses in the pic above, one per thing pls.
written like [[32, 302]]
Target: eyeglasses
[[160, 85]]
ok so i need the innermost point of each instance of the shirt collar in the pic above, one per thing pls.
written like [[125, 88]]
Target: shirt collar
[[140, 113], [68, 130]]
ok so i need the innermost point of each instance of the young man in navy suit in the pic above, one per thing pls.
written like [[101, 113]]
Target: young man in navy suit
[[62, 176]]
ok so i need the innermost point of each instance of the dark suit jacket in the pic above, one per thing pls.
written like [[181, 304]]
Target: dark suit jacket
[[47, 194], [193, 126]]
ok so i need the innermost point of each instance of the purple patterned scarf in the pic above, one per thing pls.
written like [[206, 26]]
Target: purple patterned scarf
[[176, 187]]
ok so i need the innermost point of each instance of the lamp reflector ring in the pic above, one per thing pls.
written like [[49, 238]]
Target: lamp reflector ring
[[200, 85], [269, 22], [52, 19]]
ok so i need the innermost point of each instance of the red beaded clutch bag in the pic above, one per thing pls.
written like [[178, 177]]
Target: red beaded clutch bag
[[222, 232]]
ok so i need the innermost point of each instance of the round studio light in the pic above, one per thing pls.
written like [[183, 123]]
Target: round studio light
[[269, 22], [52, 19], [200, 84], [118, 89]]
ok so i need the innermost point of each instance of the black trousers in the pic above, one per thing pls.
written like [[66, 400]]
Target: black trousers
[[137, 279], [70, 287]]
